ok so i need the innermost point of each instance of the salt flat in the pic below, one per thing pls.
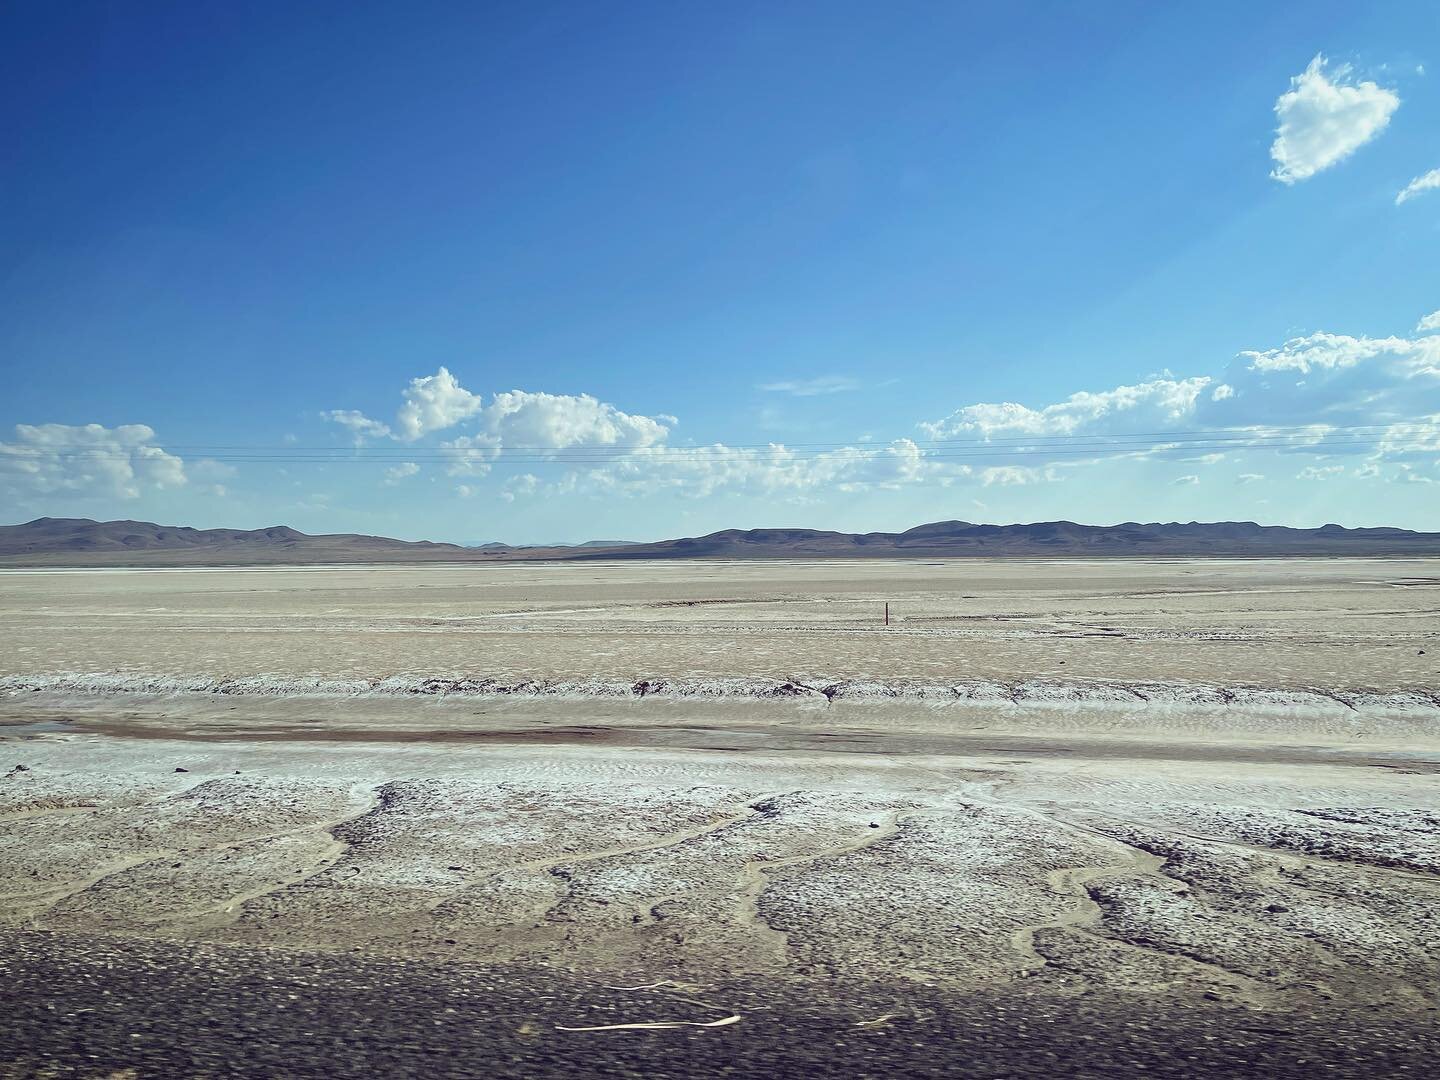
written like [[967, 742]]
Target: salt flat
[[1205, 783], [1334, 623]]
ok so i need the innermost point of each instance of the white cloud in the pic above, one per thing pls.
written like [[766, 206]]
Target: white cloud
[[1419, 437], [1331, 380], [1421, 184], [562, 421], [1159, 403], [1249, 478], [429, 403], [1300, 397], [824, 384], [1319, 472], [1429, 323], [1328, 351], [546, 425], [88, 460], [532, 422], [1309, 395], [433, 403], [1185, 481], [1325, 117], [402, 471], [470, 455], [360, 425], [776, 470], [1016, 475]]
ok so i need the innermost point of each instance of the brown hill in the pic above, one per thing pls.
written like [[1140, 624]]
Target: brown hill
[[944, 539], [82, 542]]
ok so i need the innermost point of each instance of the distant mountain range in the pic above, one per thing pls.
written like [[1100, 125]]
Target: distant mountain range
[[82, 542], [962, 538], [489, 545]]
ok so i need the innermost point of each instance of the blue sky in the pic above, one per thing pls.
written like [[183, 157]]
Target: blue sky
[[561, 271]]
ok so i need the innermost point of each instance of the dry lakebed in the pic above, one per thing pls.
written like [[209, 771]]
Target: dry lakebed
[[1053, 818]]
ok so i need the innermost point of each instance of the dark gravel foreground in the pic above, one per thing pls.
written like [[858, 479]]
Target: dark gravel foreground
[[74, 1005]]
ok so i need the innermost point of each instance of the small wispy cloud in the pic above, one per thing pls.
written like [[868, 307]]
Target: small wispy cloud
[[1185, 481], [360, 425], [823, 384], [1421, 184], [396, 473]]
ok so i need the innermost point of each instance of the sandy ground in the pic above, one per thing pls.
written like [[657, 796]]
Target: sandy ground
[[1259, 840]]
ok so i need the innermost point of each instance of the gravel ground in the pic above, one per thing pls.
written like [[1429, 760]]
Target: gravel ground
[[104, 1007]]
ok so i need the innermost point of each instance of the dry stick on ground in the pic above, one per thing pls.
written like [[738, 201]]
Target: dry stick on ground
[[655, 1025]]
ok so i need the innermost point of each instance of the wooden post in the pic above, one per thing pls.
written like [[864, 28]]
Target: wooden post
[[887, 613]]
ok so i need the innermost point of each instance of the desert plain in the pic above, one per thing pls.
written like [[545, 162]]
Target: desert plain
[[1052, 818]]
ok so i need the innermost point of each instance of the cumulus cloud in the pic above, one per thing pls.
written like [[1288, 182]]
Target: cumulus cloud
[[824, 384], [433, 403], [1329, 380], [360, 425], [1421, 184], [1300, 397], [1185, 481], [1319, 472], [775, 470], [1249, 478], [1331, 351], [1147, 406], [1325, 117], [563, 421], [87, 460], [1319, 393], [429, 403], [1293, 398], [438, 402], [396, 473], [1429, 324]]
